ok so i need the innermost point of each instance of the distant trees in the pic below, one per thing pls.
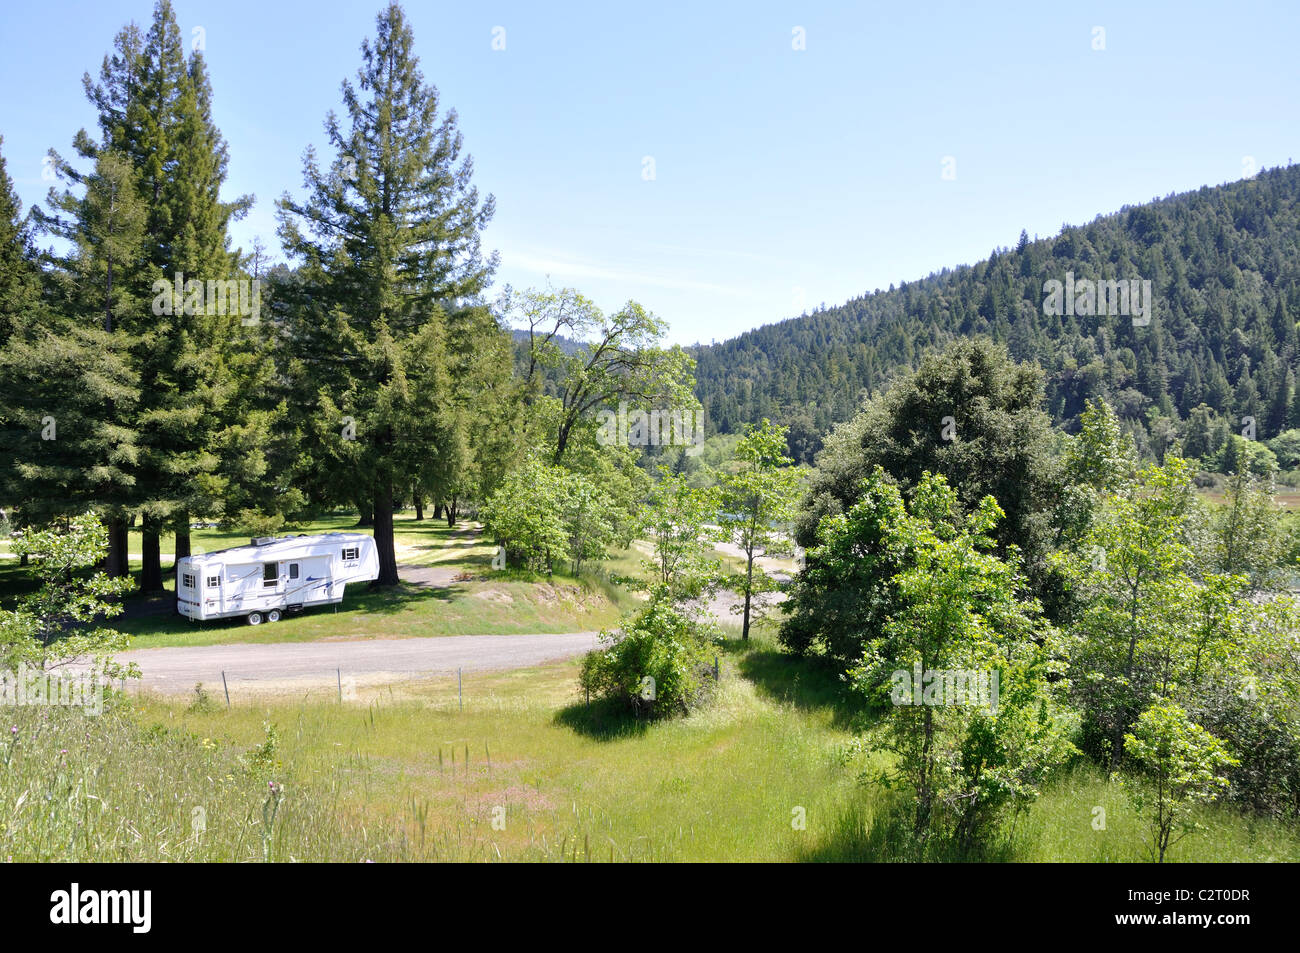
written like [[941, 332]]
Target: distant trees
[[1215, 257]]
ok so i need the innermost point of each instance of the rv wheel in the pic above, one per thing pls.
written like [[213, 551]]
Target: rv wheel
[[255, 618], [273, 615]]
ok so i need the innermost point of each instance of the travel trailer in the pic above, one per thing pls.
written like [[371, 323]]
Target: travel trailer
[[270, 576]]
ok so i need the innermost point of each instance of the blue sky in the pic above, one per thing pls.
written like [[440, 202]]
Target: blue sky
[[783, 178]]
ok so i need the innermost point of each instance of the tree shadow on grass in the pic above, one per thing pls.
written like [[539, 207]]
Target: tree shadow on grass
[[858, 836], [808, 683], [604, 719]]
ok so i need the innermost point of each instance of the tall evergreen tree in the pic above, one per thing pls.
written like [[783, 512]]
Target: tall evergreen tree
[[389, 239], [73, 391], [155, 109], [19, 276]]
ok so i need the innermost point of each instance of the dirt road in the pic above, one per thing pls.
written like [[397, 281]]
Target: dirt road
[[307, 664]]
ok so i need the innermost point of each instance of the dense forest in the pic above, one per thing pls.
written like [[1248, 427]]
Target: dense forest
[[1223, 263]]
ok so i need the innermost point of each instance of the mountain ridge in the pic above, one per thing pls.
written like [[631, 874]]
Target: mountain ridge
[[1224, 267]]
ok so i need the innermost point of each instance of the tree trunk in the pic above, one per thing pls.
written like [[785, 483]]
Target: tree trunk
[[437, 511], [383, 520], [182, 539], [451, 513], [419, 506], [366, 510], [749, 588], [117, 563], [151, 579]]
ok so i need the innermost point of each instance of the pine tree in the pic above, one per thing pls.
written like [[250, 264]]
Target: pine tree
[[389, 239], [73, 392], [155, 109], [19, 278]]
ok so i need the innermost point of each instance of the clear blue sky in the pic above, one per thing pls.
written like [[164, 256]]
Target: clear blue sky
[[775, 169]]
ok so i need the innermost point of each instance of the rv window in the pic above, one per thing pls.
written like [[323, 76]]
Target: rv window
[[187, 580], [293, 570], [214, 582], [270, 574], [350, 552]]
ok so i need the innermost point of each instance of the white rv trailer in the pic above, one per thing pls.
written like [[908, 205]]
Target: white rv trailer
[[262, 580]]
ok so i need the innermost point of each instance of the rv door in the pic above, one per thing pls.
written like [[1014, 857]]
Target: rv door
[[211, 579]]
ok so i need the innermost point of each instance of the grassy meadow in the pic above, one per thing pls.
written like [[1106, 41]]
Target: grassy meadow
[[527, 771]]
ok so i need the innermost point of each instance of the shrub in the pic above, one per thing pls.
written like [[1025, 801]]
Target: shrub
[[658, 664]]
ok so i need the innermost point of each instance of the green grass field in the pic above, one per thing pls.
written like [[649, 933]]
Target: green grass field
[[404, 774], [780, 766]]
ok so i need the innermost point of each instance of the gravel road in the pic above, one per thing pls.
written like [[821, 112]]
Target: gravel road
[[304, 664]]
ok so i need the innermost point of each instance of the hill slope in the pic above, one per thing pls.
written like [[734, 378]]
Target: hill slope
[[1224, 267]]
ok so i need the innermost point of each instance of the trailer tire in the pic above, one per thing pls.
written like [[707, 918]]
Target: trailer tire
[[255, 618], [273, 615]]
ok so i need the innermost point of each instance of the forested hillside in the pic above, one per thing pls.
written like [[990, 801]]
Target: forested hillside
[[1223, 263]]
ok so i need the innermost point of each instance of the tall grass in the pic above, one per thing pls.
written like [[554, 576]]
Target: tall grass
[[779, 767]]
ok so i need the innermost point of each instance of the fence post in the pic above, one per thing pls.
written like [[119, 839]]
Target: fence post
[[716, 676], [459, 694], [225, 686], [339, 672]]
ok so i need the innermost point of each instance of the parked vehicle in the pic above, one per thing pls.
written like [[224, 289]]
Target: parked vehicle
[[270, 576]]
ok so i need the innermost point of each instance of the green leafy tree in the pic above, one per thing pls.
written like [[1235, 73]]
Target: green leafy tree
[[970, 413], [964, 755], [1130, 576], [683, 565], [580, 360], [846, 592], [541, 513], [1247, 537], [1185, 765], [1102, 456], [585, 511], [758, 498], [62, 621]]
